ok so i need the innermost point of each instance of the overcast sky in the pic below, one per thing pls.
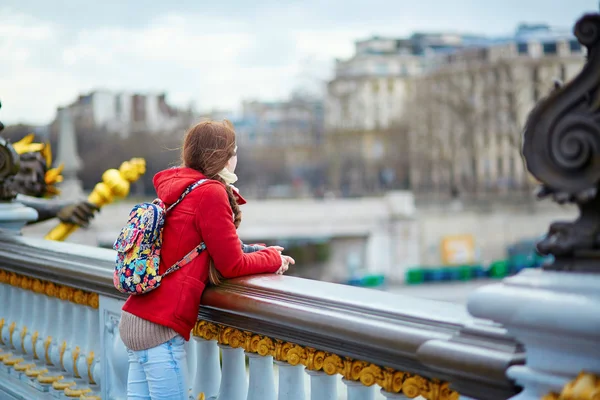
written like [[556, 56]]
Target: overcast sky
[[216, 53]]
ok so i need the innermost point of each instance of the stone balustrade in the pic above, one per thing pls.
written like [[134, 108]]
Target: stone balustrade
[[60, 336]]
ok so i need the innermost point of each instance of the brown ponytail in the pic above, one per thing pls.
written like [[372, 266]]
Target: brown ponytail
[[207, 147]]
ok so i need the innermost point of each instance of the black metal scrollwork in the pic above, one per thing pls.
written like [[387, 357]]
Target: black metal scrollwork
[[561, 147]]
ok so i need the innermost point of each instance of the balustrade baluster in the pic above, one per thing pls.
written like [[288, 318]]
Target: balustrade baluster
[[17, 326], [322, 386], [234, 384], [357, 391], [291, 381], [10, 321], [205, 373], [88, 361], [262, 382], [24, 317], [36, 319], [28, 330], [65, 345], [77, 350], [55, 343], [5, 314], [47, 330]]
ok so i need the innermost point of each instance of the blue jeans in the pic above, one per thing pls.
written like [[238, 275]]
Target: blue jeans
[[159, 373]]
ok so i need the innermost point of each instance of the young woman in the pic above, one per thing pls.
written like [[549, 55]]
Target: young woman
[[155, 326]]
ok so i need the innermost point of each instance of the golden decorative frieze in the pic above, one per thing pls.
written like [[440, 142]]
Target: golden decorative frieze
[[364, 372], [585, 387], [50, 289]]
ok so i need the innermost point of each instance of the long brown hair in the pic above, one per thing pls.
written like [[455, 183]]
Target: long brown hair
[[207, 147]]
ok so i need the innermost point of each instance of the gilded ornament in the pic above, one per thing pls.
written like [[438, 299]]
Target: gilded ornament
[[76, 351], [206, 330], [11, 329], [47, 343], [333, 364], [413, 386], [38, 286], [26, 283], [292, 353], [93, 300], [34, 373], [232, 337], [51, 290], [61, 352], [23, 334], [115, 183], [60, 385], [65, 293], [34, 338], [3, 276], [1, 326], [80, 297], [49, 379], [262, 345], [22, 367], [392, 380], [90, 363], [10, 361], [15, 279], [585, 387], [368, 374], [70, 392]]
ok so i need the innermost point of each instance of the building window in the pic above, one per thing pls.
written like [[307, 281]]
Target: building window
[[375, 86], [382, 68], [575, 46], [550, 48], [523, 48], [390, 85]]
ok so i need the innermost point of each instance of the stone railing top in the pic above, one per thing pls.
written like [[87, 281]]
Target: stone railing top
[[83, 267], [419, 336]]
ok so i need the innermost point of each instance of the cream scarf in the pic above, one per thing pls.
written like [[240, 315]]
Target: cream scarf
[[229, 177]]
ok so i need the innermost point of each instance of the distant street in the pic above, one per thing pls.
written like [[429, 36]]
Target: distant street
[[455, 292]]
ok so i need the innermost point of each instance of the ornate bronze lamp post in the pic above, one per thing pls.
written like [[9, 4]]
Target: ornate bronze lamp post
[[562, 150], [553, 312]]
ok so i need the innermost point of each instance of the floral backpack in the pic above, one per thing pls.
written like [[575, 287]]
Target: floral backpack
[[138, 247]]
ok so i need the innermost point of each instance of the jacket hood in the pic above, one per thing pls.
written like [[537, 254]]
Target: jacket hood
[[171, 183]]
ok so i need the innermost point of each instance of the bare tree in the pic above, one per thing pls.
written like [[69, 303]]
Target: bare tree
[[466, 109]]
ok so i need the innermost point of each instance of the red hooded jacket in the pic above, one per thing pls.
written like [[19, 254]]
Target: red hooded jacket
[[203, 216]]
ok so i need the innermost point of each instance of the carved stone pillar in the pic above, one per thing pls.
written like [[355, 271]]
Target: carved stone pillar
[[555, 312]]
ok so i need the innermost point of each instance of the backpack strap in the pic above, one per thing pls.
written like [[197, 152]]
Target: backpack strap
[[186, 192], [188, 258], [195, 252]]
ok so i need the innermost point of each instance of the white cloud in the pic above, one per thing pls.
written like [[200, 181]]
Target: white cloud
[[214, 54], [192, 59]]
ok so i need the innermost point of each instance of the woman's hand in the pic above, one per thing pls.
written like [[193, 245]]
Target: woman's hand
[[285, 264]]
